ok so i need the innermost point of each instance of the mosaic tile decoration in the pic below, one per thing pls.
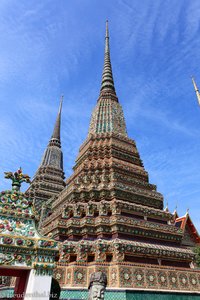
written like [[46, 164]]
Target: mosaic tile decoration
[[6, 293], [83, 294], [133, 295], [128, 295], [73, 294]]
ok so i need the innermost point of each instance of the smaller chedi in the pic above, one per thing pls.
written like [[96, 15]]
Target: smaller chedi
[[97, 285]]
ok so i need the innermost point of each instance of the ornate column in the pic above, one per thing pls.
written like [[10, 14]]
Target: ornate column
[[38, 286]]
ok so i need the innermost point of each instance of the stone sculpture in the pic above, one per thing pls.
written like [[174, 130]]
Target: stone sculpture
[[97, 285]]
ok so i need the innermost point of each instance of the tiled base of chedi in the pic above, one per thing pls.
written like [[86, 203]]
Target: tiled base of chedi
[[110, 218], [127, 263]]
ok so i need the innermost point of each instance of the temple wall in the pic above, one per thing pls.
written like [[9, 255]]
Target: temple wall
[[128, 276]]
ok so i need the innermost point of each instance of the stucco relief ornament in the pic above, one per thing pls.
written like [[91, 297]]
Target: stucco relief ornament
[[5, 259], [194, 281], [163, 279], [151, 278], [173, 279], [58, 276], [126, 276], [80, 275], [97, 285], [139, 277], [184, 280]]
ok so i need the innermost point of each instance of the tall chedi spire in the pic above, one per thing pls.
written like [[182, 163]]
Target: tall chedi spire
[[49, 178], [108, 168], [108, 114], [107, 83], [111, 218]]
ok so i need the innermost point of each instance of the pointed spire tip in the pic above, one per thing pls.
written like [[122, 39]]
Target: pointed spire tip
[[61, 102], [107, 32], [107, 83], [56, 132], [196, 90]]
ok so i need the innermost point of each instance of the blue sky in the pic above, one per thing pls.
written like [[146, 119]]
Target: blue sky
[[49, 48]]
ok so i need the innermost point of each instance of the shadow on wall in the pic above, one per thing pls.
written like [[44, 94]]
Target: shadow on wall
[[55, 290]]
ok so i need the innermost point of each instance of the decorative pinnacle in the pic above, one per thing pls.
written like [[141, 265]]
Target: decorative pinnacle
[[56, 132], [175, 211], [17, 178], [107, 38], [196, 90], [166, 208], [107, 77]]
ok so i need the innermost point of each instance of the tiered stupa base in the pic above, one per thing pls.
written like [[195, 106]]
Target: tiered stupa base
[[130, 276]]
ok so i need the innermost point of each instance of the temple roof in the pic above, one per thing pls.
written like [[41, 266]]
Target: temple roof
[[182, 222]]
